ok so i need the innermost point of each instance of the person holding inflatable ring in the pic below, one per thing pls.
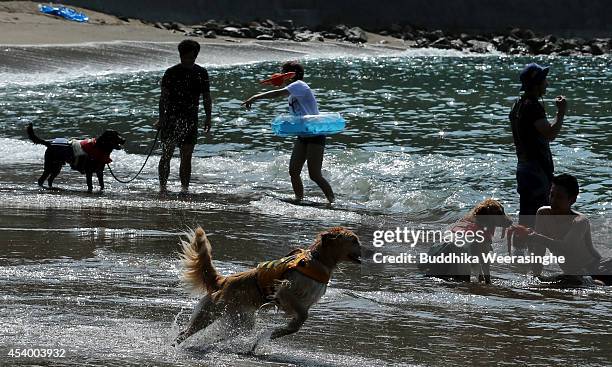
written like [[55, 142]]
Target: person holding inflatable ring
[[305, 149]]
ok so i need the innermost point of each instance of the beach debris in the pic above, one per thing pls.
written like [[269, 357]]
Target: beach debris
[[63, 12]]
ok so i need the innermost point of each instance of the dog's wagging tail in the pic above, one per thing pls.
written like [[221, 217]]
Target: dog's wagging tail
[[35, 139], [199, 274]]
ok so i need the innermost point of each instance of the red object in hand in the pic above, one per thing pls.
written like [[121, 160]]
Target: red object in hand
[[278, 79]]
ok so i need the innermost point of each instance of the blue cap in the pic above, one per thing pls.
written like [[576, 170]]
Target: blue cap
[[533, 74]]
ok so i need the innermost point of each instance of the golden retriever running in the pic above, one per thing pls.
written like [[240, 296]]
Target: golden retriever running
[[294, 283]]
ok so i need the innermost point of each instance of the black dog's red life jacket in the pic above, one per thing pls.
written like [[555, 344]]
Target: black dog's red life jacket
[[95, 153]]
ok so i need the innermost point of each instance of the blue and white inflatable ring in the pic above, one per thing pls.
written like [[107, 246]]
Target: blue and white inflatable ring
[[308, 125]]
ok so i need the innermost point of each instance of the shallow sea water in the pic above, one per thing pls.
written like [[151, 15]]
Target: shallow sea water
[[427, 138]]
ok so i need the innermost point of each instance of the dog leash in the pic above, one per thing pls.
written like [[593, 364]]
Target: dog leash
[[141, 168]]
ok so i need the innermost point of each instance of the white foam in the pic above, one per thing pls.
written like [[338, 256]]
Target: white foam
[[53, 64], [28, 65], [379, 181]]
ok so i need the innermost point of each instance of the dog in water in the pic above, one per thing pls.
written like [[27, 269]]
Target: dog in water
[[484, 217], [87, 156], [293, 283]]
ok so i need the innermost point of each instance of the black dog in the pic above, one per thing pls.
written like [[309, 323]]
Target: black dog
[[86, 156]]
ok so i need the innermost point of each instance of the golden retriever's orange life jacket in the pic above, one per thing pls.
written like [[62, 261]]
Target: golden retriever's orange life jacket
[[300, 260]]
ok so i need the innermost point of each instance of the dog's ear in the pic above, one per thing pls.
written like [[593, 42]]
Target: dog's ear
[[332, 234], [482, 212], [489, 207], [327, 236], [490, 214], [111, 138]]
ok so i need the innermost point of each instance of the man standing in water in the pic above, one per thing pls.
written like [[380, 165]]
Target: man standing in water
[[181, 88], [532, 134]]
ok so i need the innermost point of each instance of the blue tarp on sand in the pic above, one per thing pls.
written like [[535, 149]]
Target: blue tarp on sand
[[64, 12]]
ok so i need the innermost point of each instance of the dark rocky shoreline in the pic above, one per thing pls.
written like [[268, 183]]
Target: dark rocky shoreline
[[514, 41]]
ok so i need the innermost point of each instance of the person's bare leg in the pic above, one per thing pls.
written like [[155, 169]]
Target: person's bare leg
[[185, 169], [314, 156], [298, 157], [164, 164]]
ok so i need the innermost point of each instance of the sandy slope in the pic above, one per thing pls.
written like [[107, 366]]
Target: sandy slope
[[21, 23]]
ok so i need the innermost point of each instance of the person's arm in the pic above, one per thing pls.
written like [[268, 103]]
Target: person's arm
[[551, 130], [207, 100], [589, 245], [273, 94], [163, 102], [576, 234]]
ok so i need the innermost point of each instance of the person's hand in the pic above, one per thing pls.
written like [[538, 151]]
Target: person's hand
[[247, 104], [207, 124], [520, 231], [561, 103]]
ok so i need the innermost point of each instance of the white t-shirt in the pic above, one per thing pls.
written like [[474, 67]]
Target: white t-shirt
[[301, 100]]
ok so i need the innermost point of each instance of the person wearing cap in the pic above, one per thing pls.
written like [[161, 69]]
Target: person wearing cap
[[305, 149], [532, 134], [181, 87]]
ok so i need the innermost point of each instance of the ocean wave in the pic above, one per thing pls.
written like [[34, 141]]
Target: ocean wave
[[29, 65], [381, 182]]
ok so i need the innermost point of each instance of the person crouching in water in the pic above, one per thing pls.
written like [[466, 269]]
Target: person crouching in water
[[566, 232], [305, 149]]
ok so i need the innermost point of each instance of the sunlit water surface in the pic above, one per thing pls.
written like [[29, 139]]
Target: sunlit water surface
[[427, 138]]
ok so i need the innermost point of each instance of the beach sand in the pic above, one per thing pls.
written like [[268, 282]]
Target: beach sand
[[21, 23]]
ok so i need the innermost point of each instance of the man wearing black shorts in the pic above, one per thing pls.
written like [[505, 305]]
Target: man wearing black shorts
[[532, 133], [181, 88]]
